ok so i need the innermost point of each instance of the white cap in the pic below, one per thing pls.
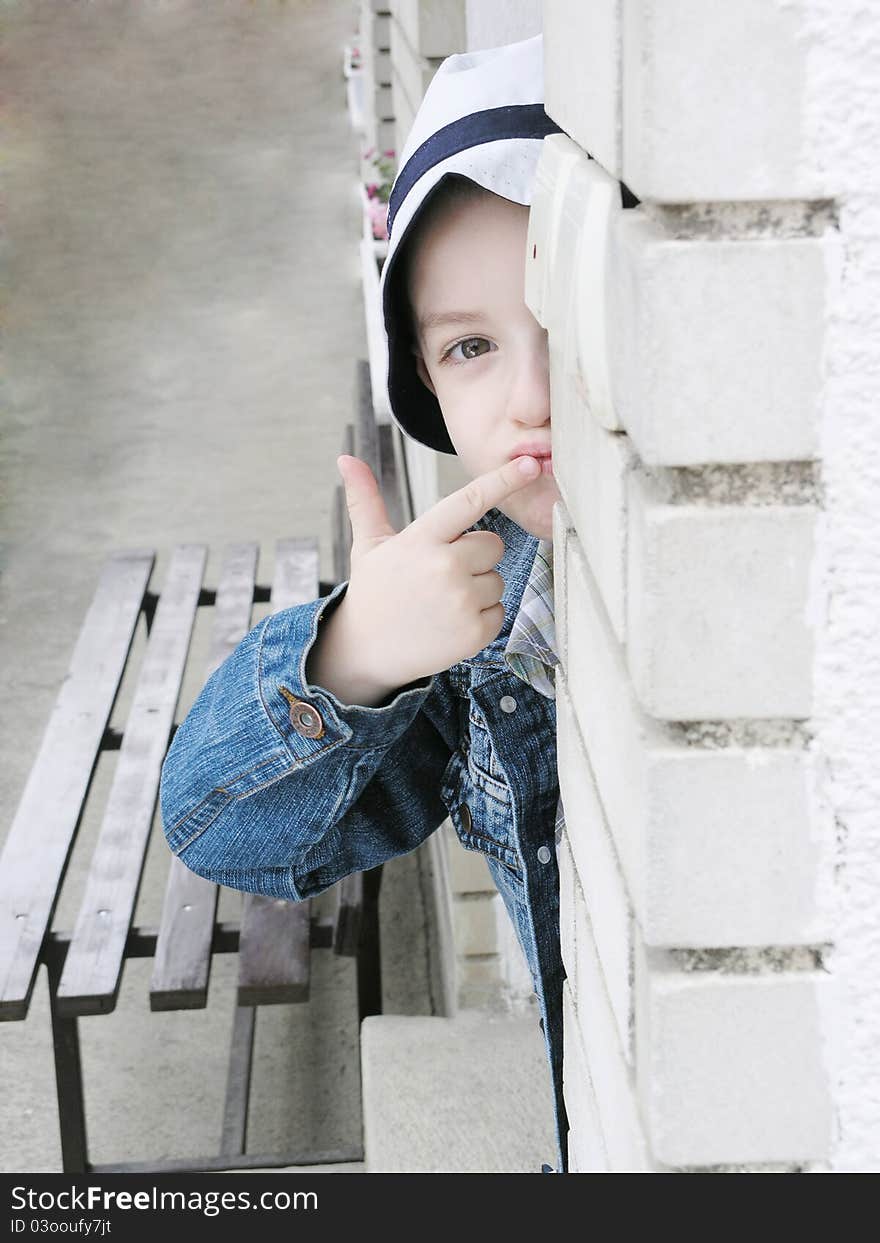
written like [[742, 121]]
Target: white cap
[[482, 117]]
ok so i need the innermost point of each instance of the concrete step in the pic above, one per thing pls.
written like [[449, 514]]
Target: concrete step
[[447, 1095]]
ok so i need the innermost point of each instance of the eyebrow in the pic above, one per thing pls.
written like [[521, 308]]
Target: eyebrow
[[437, 319]]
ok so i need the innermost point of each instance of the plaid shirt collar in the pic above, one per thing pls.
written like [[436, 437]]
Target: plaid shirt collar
[[531, 649]]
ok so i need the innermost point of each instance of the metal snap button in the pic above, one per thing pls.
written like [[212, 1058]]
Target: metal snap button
[[305, 719], [466, 820], [507, 703], [543, 854]]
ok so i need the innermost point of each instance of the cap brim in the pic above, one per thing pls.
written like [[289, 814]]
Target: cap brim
[[414, 407]]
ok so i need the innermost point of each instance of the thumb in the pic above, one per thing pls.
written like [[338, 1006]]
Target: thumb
[[366, 506]]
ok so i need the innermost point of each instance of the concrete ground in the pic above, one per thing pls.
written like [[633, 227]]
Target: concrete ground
[[182, 312]]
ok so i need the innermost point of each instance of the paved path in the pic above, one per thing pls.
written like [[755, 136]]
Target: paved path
[[181, 312]]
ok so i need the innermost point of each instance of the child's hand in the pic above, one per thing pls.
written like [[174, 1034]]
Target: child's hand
[[421, 600]]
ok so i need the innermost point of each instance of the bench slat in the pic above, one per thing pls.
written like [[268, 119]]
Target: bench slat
[[342, 534], [349, 907], [391, 483], [273, 952], [93, 968], [182, 962], [273, 955], [37, 849]]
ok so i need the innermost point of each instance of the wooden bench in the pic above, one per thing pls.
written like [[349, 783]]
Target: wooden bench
[[273, 938]]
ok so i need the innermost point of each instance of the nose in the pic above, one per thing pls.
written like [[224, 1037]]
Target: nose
[[529, 393]]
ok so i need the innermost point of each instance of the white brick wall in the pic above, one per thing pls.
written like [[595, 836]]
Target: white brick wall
[[716, 601], [732, 327], [582, 72], [411, 73], [717, 842], [731, 1065], [433, 28], [689, 359], [688, 100]]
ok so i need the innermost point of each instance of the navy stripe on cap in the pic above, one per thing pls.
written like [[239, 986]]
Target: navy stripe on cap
[[490, 125]]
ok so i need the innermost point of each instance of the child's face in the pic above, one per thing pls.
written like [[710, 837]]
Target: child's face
[[487, 362]]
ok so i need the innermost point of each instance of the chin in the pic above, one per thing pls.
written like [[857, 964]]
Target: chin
[[538, 524]]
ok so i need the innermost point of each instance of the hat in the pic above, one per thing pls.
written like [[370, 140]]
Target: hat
[[482, 117]]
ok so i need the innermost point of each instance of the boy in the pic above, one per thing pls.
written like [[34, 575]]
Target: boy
[[343, 732]]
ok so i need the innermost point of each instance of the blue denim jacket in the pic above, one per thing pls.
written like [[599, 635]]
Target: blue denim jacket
[[251, 802]]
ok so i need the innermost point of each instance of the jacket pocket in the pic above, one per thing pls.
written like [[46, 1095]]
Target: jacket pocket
[[482, 821], [483, 764]]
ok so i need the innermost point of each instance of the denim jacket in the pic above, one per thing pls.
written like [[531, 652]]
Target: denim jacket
[[274, 786]]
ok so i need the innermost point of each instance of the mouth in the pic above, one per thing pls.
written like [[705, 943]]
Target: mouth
[[542, 452], [545, 458]]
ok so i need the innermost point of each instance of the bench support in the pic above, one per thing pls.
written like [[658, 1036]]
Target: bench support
[[68, 1071], [141, 943]]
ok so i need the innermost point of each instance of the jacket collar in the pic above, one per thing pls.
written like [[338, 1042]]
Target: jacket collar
[[515, 567]]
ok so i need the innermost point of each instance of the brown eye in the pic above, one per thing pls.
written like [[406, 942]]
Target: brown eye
[[471, 347]]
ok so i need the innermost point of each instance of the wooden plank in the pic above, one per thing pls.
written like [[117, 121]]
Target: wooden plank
[[93, 969], [366, 432], [375, 334], [349, 907], [341, 520], [37, 849], [233, 1138], [389, 479], [296, 579], [273, 951], [341, 536], [273, 954], [68, 1078], [182, 964], [247, 1161]]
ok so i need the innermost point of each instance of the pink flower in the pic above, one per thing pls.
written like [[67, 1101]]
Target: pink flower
[[379, 219]]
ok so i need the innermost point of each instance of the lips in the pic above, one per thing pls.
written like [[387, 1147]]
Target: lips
[[532, 450]]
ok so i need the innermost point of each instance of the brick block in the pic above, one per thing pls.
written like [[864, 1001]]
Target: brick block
[[582, 75], [713, 102], [493, 22], [567, 252], [563, 531], [478, 982], [560, 164], [474, 920], [402, 124], [596, 882], [719, 844], [716, 607], [567, 884], [411, 72], [468, 871], [433, 27], [383, 103], [591, 466], [733, 329], [382, 67], [519, 991], [586, 1147], [731, 1066], [386, 135], [381, 31], [613, 1083]]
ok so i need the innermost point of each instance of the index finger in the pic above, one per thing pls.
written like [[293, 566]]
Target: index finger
[[454, 514]]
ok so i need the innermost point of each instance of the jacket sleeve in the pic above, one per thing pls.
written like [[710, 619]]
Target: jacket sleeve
[[250, 802]]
